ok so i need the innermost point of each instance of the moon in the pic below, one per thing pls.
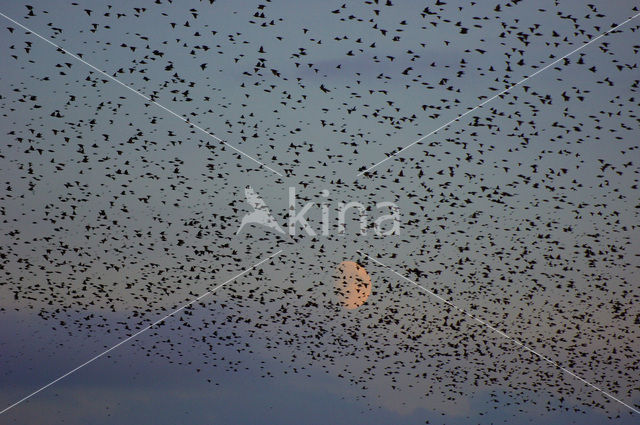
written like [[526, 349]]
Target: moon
[[352, 285]]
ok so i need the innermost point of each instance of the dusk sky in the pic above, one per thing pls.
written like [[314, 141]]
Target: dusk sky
[[148, 255]]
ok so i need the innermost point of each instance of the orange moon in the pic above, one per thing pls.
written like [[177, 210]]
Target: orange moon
[[352, 285]]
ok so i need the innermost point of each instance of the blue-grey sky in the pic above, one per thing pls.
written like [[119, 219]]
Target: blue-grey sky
[[523, 213]]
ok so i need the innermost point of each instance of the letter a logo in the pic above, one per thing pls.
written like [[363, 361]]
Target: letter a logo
[[260, 215]]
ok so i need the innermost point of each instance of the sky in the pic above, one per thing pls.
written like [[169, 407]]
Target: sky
[[509, 295]]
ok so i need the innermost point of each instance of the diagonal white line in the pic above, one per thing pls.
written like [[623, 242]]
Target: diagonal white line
[[146, 328], [497, 95], [482, 322], [141, 95]]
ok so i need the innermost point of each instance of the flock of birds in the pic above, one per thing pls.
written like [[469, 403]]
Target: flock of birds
[[524, 213]]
